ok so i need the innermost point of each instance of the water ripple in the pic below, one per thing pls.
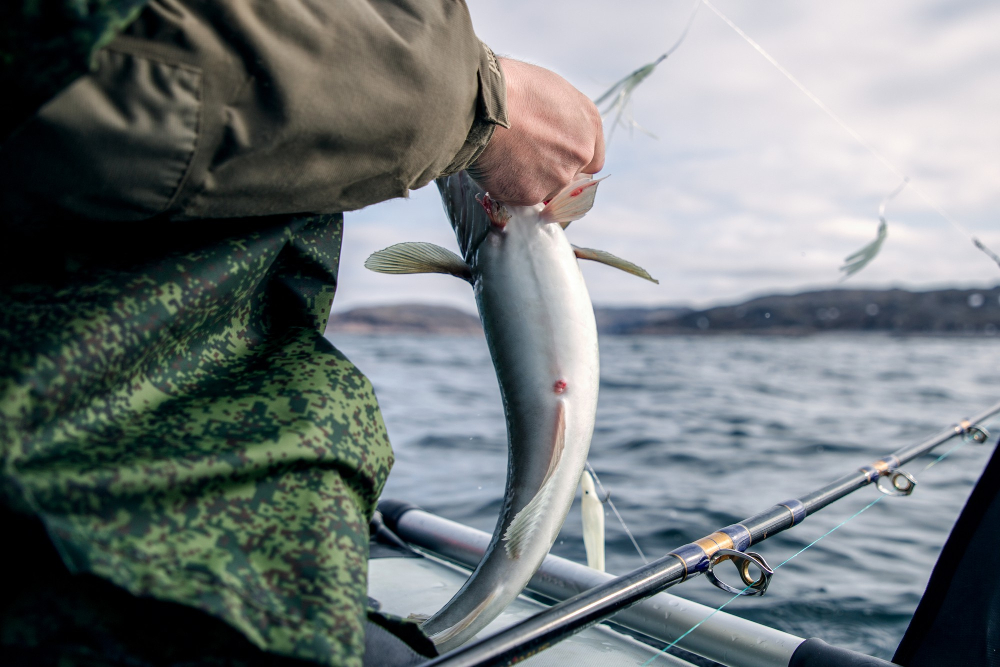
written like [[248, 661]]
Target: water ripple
[[695, 433]]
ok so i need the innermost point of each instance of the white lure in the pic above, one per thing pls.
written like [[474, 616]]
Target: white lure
[[592, 511]]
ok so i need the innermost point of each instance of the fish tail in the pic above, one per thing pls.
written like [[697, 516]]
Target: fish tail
[[448, 634]]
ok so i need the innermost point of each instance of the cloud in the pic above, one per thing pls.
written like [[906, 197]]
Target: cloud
[[750, 187]]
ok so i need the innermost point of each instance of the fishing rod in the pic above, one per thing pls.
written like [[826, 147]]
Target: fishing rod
[[535, 634]]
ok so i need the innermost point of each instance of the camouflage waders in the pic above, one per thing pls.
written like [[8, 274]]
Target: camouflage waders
[[183, 430], [182, 450]]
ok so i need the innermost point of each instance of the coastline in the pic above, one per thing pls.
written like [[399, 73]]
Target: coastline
[[896, 312]]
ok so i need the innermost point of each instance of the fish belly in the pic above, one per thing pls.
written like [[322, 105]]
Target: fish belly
[[540, 328]]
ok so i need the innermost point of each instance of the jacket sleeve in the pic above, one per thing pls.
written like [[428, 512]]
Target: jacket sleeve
[[259, 107]]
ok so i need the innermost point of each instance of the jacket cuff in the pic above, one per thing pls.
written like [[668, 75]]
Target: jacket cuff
[[491, 110]]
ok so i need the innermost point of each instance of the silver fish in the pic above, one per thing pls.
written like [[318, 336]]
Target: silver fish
[[540, 328]]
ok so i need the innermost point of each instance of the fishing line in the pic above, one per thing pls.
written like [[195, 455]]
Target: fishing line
[[684, 34], [798, 553], [889, 197], [606, 495], [857, 137]]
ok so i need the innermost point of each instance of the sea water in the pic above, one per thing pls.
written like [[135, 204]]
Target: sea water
[[696, 433]]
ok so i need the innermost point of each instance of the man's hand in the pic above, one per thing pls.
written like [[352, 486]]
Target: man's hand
[[555, 133]]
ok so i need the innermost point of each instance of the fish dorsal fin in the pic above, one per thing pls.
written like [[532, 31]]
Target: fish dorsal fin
[[572, 202], [611, 260], [523, 527], [416, 257]]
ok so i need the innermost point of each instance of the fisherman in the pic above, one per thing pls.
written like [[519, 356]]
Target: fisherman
[[189, 467]]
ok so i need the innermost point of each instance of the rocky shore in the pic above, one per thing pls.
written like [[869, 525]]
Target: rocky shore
[[406, 318], [936, 312]]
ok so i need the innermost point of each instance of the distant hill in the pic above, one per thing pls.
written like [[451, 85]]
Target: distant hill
[[423, 319], [628, 320], [950, 311], [406, 318]]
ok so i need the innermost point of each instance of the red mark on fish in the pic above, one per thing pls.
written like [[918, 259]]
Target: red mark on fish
[[560, 386], [495, 211]]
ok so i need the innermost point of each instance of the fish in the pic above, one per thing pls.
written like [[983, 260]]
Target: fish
[[542, 336]]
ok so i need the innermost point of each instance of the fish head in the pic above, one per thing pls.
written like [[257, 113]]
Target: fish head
[[469, 209], [496, 212], [475, 216]]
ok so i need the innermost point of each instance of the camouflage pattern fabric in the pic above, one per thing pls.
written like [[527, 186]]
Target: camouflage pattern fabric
[[174, 417], [46, 44], [50, 617]]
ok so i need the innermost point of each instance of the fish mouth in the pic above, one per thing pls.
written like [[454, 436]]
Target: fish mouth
[[463, 200]]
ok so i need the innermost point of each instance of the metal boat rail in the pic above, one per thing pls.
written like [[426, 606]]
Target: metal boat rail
[[724, 638]]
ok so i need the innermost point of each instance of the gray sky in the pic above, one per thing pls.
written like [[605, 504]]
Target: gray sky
[[749, 188]]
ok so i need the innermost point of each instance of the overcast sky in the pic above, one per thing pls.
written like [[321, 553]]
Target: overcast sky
[[749, 188]]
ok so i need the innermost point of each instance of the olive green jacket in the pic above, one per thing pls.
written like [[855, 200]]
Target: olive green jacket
[[169, 408]]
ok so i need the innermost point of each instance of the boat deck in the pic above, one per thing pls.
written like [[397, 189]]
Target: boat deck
[[404, 586]]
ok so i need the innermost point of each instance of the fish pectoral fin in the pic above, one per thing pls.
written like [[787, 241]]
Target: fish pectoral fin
[[418, 257], [611, 260], [525, 524], [572, 202]]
